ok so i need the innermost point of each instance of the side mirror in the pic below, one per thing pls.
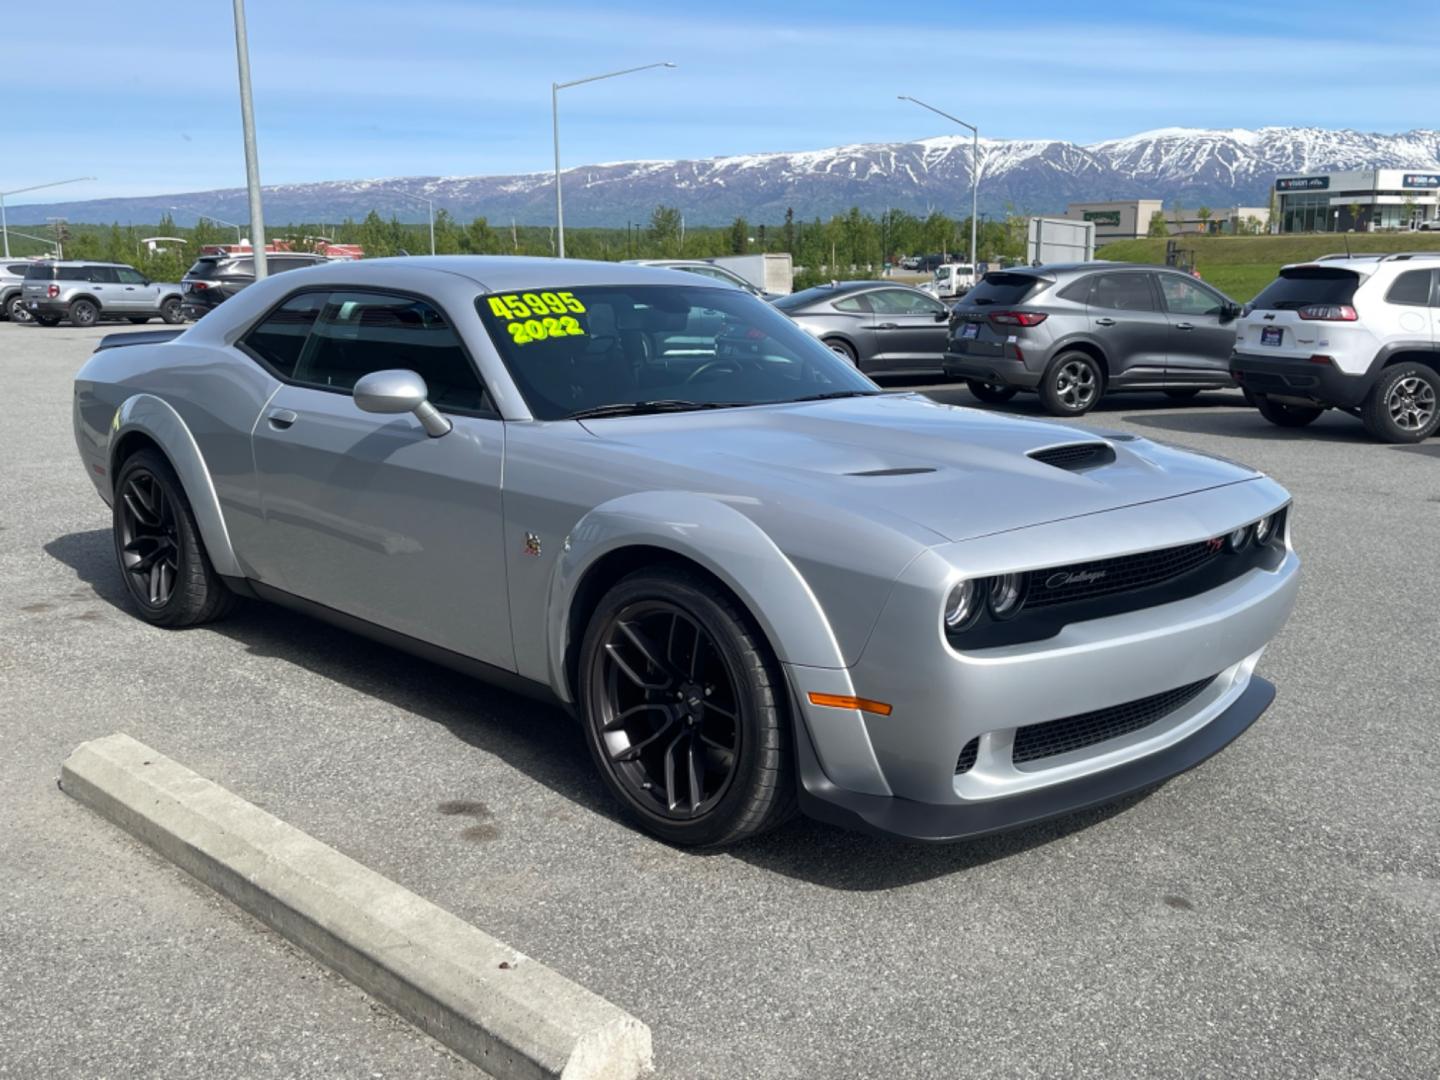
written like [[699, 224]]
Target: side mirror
[[399, 391], [1230, 311], [943, 315]]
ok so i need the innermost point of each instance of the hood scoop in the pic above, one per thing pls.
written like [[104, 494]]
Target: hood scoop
[[1076, 457], [892, 472]]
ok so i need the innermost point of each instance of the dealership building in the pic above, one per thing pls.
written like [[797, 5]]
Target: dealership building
[[1366, 200], [1129, 219]]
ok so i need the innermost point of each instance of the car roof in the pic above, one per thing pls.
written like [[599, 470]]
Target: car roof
[[79, 262], [500, 273]]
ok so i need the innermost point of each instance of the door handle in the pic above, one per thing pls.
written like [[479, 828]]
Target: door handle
[[888, 326], [1105, 320], [280, 419], [1184, 326]]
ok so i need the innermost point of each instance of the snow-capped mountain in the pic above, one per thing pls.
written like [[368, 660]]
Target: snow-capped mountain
[[1219, 168]]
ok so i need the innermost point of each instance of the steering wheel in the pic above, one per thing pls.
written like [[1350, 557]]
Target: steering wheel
[[731, 365]]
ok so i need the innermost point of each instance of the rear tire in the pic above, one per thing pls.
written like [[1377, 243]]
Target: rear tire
[[157, 544], [170, 312], [1072, 384], [685, 710], [989, 392], [1404, 404], [83, 313], [1287, 416], [844, 350]]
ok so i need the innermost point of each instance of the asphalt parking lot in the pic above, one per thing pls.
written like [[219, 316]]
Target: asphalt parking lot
[[1274, 913]]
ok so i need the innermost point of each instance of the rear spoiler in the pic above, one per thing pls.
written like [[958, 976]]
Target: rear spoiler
[[137, 337]]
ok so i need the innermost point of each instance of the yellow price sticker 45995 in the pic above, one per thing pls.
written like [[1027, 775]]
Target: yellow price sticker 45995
[[535, 305]]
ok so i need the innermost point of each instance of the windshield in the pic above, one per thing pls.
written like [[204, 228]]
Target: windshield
[[576, 350], [1301, 286]]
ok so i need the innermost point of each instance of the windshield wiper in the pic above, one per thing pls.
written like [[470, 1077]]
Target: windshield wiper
[[641, 408], [831, 395]]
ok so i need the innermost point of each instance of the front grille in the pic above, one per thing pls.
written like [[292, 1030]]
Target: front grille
[[1053, 737], [1125, 573], [1075, 456], [968, 753]]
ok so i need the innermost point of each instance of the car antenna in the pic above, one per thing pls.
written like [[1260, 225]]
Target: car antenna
[[1347, 245]]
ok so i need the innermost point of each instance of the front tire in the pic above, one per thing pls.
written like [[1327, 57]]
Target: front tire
[[685, 710], [1072, 384], [844, 350], [1402, 405], [15, 310], [83, 313], [989, 392], [1287, 416], [157, 543]]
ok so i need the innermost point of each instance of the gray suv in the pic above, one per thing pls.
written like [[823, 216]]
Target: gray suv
[[1074, 332], [86, 292], [12, 275]]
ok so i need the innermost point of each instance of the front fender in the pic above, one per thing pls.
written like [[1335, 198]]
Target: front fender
[[152, 417], [712, 534]]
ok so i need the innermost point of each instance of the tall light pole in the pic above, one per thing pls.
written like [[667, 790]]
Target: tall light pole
[[555, 88], [974, 170], [252, 156], [4, 226], [430, 205], [212, 217]]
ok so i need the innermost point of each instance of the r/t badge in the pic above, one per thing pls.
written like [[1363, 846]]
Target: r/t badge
[[532, 545]]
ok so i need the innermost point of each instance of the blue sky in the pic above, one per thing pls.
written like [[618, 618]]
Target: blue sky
[[142, 94]]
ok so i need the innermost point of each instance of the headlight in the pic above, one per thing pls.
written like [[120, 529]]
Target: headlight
[[1007, 594], [1264, 529], [962, 606], [1237, 540]]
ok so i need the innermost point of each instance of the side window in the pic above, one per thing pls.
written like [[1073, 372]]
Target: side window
[[1079, 291], [279, 264], [1411, 287], [280, 339], [903, 302], [1122, 292], [1184, 296], [128, 276], [852, 304], [103, 275], [73, 273], [360, 332]]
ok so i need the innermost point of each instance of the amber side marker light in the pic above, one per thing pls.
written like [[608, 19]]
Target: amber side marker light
[[842, 701]]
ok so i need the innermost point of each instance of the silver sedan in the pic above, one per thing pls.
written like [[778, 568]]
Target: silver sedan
[[756, 581]]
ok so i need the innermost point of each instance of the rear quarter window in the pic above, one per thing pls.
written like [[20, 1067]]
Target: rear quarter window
[[39, 272], [1411, 287]]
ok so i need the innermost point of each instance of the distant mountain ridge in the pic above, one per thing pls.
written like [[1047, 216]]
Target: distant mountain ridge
[[1198, 166]]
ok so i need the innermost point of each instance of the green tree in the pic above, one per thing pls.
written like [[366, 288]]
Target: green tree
[[479, 238], [1157, 225], [665, 229], [447, 233], [739, 236], [1204, 215]]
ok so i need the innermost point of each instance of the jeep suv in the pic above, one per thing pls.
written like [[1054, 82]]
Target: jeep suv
[[1075, 332], [12, 305], [86, 292], [215, 278], [1357, 333]]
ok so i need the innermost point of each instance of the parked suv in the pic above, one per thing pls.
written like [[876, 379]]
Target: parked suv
[[12, 303], [1358, 333], [86, 292], [215, 278], [1075, 332]]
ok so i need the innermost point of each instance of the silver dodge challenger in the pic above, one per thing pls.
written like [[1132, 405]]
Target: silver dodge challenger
[[758, 582]]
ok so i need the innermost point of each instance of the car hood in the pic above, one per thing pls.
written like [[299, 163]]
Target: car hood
[[957, 473]]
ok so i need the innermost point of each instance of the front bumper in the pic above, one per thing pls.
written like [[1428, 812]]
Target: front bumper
[[936, 822], [1324, 384], [900, 773]]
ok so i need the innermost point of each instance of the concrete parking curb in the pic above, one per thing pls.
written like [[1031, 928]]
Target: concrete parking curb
[[510, 1015]]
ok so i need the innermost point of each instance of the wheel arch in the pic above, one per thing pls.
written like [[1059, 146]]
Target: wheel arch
[[144, 421], [85, 296], [703, 534], [1081, 345], [1407, 354]]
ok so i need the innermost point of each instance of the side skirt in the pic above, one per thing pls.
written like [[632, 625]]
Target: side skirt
[[466, 665]]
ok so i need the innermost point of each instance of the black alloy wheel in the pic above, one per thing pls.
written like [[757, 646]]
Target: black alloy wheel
[[83, 313], [148, 536], [158, 546], [844, 350], [681, 703]]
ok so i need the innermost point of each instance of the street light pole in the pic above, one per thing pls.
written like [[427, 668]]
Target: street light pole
[[555, 88], [974, 170], [252, 157], [212, 217], [429, 206], [5, 226]]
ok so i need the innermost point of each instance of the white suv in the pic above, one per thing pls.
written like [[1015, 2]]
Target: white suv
[[1359, 333]]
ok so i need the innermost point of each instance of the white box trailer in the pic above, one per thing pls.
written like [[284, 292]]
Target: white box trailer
[[1059, 240], [772, 272]]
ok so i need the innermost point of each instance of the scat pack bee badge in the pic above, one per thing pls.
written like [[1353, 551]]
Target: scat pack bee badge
[[539, 316]]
